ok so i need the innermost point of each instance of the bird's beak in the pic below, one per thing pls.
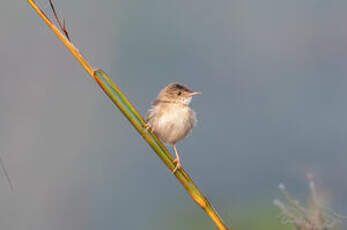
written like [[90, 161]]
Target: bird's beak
[[194, 93]]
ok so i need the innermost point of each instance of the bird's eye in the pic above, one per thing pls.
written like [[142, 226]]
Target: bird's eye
[[179, 93]]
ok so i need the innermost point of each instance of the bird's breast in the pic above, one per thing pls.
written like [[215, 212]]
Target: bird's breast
[[173, 122]]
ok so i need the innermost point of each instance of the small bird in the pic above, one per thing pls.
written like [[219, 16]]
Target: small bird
[[170, 117]]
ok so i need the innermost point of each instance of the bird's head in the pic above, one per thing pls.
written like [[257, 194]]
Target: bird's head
[[177, 92]]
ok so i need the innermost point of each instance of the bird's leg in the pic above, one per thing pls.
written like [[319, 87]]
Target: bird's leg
[[177, 160]]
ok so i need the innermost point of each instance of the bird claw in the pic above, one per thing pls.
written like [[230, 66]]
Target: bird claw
[[178, 166], [148, 127]]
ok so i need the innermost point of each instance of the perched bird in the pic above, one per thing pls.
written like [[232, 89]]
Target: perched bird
[[170, 117]]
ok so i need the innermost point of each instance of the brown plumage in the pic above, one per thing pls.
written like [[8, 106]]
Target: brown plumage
[[170, 117]]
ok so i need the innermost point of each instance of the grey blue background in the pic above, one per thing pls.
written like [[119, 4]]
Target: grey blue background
[[273, 108]]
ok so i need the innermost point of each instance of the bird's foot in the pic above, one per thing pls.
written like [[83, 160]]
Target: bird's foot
[[178, 165], [149, 127]]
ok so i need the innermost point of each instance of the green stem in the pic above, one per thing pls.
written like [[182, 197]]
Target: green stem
[[124, 105]]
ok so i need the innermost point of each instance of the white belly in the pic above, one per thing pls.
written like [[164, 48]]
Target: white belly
[[174, 124]]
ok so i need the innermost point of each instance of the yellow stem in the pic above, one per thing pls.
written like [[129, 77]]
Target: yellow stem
[[66, 42]]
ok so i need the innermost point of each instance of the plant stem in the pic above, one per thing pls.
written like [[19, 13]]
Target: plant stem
[[129, 111]]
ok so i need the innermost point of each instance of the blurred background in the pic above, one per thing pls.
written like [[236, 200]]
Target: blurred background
[[273, 108]]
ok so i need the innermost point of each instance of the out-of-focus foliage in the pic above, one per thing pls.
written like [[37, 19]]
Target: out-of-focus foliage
[[314, 217]]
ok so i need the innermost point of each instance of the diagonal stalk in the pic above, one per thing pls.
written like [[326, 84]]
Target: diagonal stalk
[[129, 111]]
